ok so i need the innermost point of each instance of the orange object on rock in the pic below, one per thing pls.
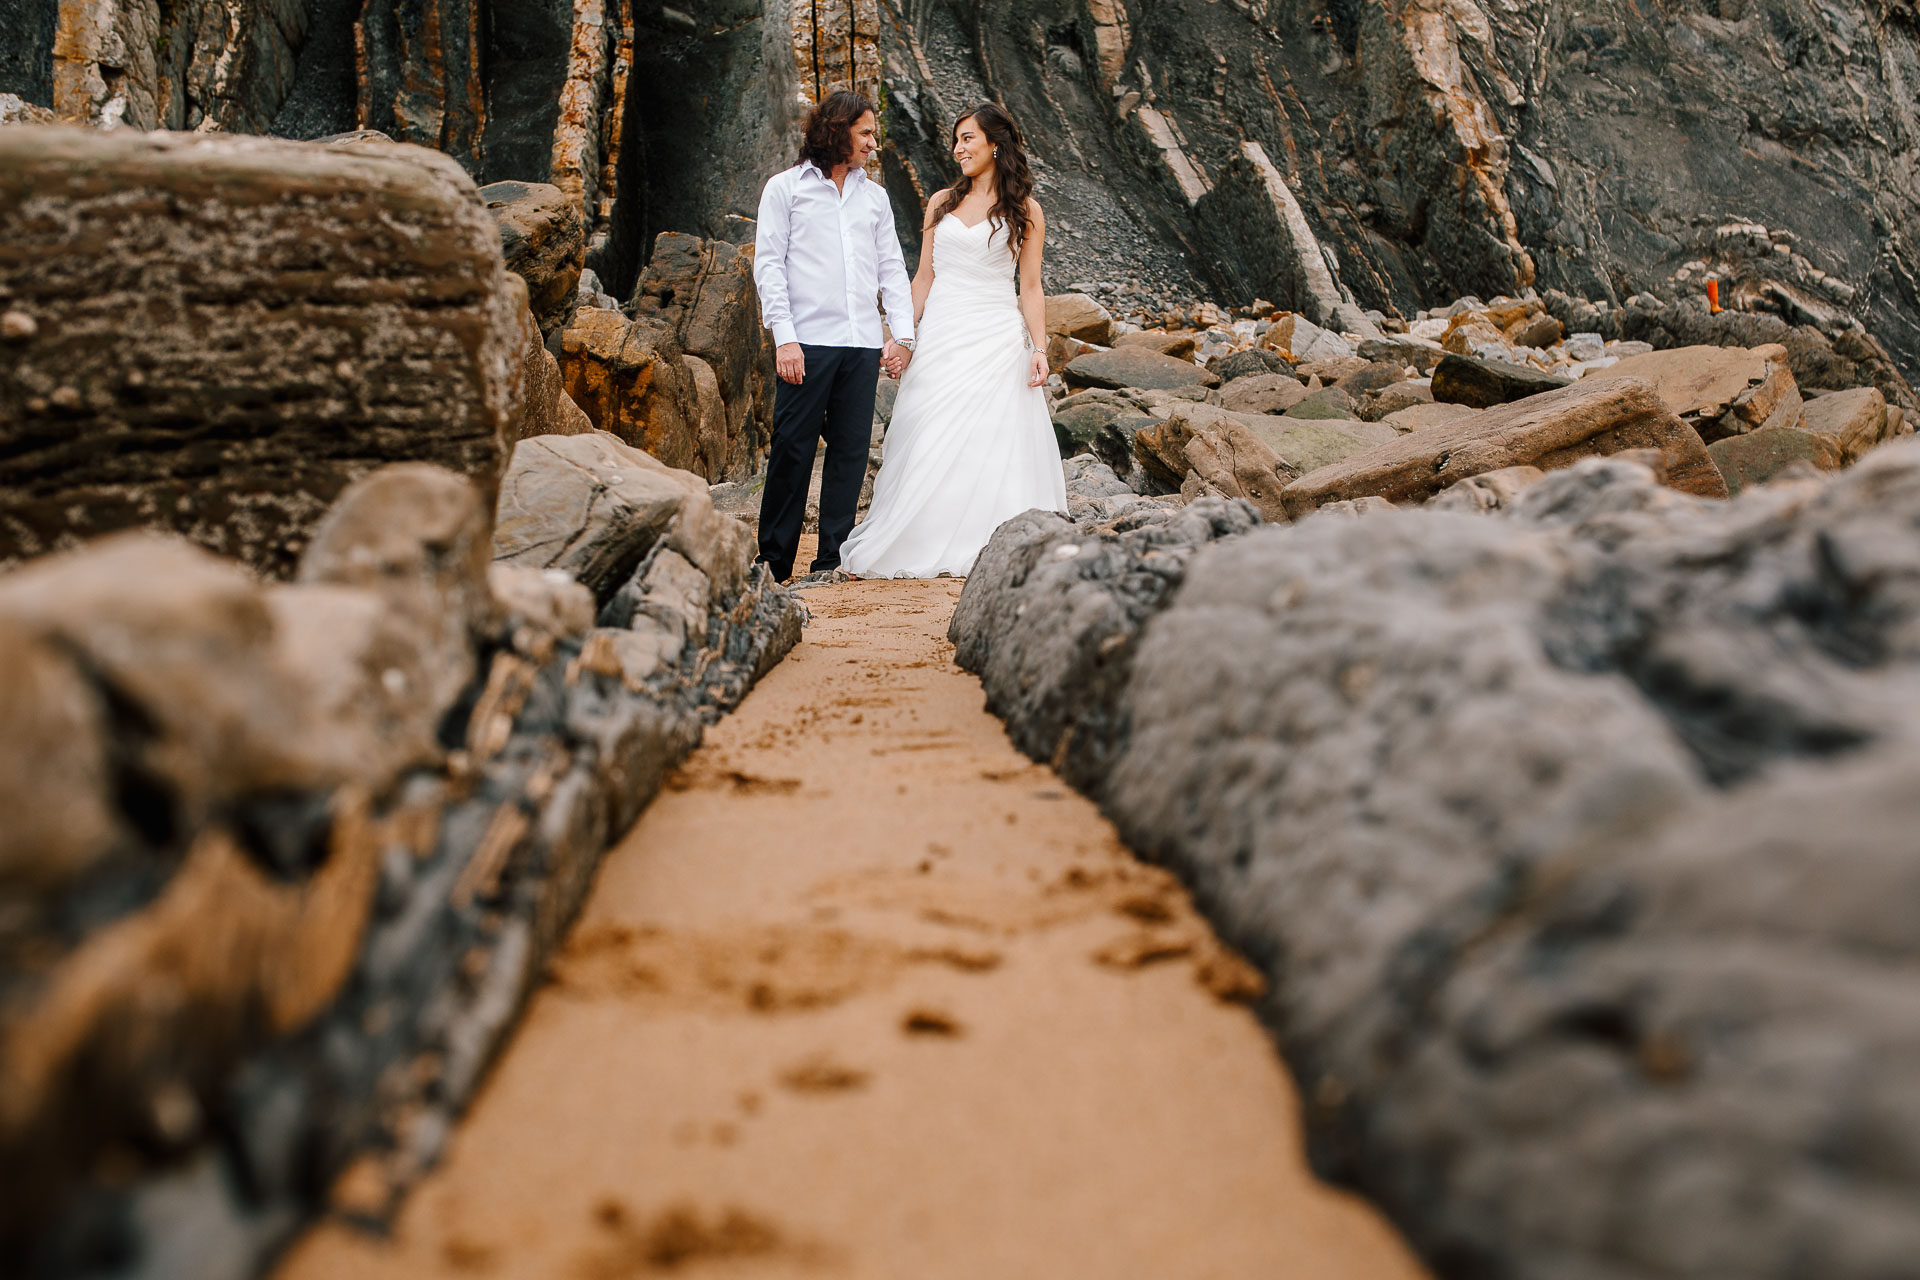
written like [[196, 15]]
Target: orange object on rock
[[1713, 296]]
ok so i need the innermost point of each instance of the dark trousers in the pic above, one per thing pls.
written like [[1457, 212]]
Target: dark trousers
[[834, 400]]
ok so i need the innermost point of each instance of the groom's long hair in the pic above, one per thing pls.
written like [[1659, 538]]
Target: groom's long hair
[[1013, 179], [828, 138]]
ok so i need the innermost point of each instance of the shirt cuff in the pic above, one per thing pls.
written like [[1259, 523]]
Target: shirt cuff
[[783, 333], [901, 332]]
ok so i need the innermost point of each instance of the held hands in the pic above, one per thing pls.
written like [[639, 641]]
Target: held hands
[[790, 362], [894, 359], [1037, 376]]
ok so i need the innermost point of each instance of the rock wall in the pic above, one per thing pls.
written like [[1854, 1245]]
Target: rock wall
[[295, 854], [1441, 150], [1569, 838]]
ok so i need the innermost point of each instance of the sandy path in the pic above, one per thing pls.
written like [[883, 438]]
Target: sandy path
[[866, 993]]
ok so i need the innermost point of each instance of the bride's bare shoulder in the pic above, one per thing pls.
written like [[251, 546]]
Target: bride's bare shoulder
[[936, 208], [1034, 212]]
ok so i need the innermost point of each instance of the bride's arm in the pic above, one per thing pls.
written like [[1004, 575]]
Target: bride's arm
[[1033, 296], [923, 274]]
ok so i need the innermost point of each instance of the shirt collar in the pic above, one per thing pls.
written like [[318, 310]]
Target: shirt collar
[[854, 174]]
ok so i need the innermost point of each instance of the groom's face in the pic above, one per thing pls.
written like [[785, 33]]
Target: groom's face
[[864, 137]]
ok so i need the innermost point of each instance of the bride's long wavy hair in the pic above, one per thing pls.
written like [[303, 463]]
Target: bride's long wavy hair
[[1013, 180]]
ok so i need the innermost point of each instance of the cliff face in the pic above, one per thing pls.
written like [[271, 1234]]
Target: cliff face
[[1438, 148]]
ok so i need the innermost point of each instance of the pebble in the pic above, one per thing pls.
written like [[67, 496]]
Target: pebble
[[18, 326]]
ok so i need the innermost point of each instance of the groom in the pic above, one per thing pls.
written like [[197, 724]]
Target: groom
[[824, 249]]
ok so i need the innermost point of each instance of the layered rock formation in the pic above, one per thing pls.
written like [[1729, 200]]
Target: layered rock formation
[[298, 852], [1403, 155], [1569, 837], [303, 315]]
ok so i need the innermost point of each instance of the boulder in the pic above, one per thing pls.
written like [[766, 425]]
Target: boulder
[[1417, 416], [416, 540], [1368, 378], [1537, 331], [1327, 402], [1230, 461], [1480, 384], [1297, 447], [57, 782], [1135, 367], [1310, 444], [1075, 315], [712, 428], [1404, 349], [1249, 363], [1548, 430], [594, 507], [182, 642], [1719, 391], [705, 290], [1575, 844], [1854, 420], [547, 408], [629, 378], [1076, 427], [1178, 345], [217, 334], [1376, 405], [544, 244], [1488, 491], [1330, 369], [588, 505], [1759, 456], [1262, 393]]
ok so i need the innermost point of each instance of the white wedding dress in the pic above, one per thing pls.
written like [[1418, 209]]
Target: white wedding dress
[[971, 445]]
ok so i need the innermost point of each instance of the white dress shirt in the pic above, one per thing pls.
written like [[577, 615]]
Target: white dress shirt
[[821, 256]]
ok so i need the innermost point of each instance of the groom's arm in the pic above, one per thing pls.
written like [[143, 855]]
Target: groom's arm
[[896, 291], [770, 260]]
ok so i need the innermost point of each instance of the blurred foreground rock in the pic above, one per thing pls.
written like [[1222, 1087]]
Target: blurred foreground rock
[[216, 335], [289, 857], [1575, 840]]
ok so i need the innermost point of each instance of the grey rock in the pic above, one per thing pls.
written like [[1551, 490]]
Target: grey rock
[[1570, 838]]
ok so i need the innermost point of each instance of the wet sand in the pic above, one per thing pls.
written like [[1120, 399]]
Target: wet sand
[[866, 993]]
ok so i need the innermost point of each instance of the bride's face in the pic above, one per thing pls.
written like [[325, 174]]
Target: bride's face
[[971, 149]]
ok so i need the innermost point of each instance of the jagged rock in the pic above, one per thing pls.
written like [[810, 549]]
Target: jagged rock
[[629, 378], [544, 244], [1719, 391], [1854, 420], [1075, 315], [1298, 447], [1131, 367], [304, 315], [1250, 363], [1232, 462], [1548, 430], [1759, 456], [1178, 345], [1262, 393], [1481, 384], [1559, 833], [704, 289], [1328, 402], [546, 603]]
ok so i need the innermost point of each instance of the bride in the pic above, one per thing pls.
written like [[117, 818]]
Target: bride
[[971, 443]]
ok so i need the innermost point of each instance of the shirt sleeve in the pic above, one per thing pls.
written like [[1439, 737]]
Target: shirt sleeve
[[896, 290], [770, 260]]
